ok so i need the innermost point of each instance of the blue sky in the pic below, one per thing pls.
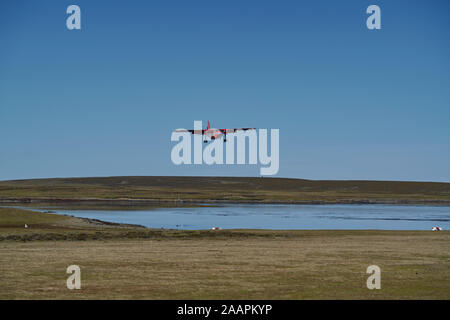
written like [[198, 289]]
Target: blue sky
[[350, 103]]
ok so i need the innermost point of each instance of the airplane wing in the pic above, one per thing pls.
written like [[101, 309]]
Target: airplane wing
[[191, 131], [235, 129], [225, 131]]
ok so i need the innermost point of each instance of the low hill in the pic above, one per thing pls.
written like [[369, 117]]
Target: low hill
[[230, 189]]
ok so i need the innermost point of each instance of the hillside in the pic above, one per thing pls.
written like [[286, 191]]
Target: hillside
[[217, 189]]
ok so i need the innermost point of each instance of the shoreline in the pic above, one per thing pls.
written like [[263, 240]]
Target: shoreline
[[131, 201], [49, 225]]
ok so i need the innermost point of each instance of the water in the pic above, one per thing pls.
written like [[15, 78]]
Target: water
[[264, 216]]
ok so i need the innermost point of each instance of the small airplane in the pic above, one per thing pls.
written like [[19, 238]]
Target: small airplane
[[215, 133]]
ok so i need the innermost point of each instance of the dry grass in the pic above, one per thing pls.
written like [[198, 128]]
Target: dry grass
[[287, 265]]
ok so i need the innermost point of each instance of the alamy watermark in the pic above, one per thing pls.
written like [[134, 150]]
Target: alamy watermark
[[374, 280], [74, 280], [73, 22], [235, 141], [373, 22]]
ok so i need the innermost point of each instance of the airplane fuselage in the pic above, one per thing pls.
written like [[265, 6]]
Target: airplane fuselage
[[213, 133]]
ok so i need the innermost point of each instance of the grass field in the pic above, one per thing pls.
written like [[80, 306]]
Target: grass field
[[123, 262], [170, 189]]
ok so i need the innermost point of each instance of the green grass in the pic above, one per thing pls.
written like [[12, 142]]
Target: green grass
[[236, 189], [16, 218], [49, 226]]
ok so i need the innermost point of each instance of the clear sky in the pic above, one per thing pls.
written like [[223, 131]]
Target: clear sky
[[350, 103]]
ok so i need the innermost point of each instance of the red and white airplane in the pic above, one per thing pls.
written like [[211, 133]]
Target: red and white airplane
[[215, 133]]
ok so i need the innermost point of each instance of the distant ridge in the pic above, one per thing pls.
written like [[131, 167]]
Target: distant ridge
[[224, 189]]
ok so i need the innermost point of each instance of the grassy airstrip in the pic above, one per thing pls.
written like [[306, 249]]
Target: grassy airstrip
[[123, 262]]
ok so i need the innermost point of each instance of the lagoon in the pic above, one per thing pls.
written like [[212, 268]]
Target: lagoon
[[280, 216]]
